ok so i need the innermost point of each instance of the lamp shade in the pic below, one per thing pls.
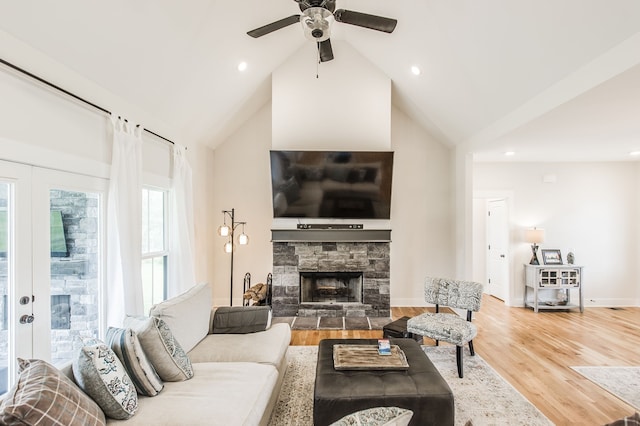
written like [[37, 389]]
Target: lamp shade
[[224, 230], [534, 236]]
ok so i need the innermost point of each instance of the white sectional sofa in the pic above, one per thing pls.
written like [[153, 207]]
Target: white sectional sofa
[[238, 362]]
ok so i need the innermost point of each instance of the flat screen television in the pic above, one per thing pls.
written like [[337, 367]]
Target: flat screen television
[[331, 184], [58, 239]]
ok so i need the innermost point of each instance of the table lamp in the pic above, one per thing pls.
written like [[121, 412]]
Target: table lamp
[[534, 236]]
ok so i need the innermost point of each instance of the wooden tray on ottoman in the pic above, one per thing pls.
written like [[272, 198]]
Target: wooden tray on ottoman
[[366, 357]]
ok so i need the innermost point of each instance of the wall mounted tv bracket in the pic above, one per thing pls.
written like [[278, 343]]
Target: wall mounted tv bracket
[[329, 226]]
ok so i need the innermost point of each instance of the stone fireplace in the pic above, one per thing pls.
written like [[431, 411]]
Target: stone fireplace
[[331, 274]]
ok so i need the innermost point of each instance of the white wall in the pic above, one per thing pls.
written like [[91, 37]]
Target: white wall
[[241, 179], [66, 134], [346, 107], [421, 217], [592, 208]]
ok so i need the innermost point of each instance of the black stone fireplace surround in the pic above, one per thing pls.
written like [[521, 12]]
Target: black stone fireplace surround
[[294, 253]]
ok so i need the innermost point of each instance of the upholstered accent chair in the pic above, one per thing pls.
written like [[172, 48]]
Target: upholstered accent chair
[[449, 327]]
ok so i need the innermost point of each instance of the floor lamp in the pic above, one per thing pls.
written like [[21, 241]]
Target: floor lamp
[[229, 247]]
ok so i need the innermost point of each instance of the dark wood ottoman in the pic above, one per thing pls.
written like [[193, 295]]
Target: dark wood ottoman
[[398, 329], [420, 389]]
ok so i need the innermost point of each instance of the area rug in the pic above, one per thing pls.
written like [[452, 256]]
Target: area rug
[[482, 396], [623, 382]]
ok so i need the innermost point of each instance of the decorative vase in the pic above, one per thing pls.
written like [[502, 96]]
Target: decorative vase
[[570, 258]]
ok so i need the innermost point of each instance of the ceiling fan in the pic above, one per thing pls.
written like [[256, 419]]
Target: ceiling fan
[[316, 19]]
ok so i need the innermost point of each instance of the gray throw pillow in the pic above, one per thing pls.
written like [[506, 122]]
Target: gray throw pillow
[[99, 373], [241, 319], [163, 350], [125, 344]]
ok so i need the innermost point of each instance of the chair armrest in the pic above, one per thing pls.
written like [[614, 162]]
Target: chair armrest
[[240, 319]]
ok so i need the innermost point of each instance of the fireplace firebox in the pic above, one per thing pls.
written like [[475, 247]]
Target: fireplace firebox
[[331, 287]]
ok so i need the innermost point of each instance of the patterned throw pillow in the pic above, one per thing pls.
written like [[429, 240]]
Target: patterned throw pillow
[[125, 344], [43, 395], [161, 347], [102, 376], [379, 416]]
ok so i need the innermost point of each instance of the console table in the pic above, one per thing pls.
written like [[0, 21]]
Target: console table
[[553, 277]]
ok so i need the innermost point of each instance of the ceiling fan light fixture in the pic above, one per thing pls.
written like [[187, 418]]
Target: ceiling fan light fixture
[[316, 23]]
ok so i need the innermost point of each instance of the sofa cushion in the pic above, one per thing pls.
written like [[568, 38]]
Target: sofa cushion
[[267, 347], [125, 344], [219, 394], [162, 348], [43, 395], [187, 315], [99, 373]]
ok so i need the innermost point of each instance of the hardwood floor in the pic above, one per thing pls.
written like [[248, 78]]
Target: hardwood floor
[[534, 352]]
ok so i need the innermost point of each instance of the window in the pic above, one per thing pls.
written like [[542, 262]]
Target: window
[[154, 246]]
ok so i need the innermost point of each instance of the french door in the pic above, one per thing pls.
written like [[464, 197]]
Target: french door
[[51, 264]]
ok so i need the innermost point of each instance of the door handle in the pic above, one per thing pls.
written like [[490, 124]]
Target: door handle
[[26, 319]]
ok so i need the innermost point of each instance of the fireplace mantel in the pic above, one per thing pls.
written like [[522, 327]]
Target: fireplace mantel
[[331, 235]]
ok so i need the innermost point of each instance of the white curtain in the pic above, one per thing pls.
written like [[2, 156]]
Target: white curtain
[[124, 224], [181, 275]]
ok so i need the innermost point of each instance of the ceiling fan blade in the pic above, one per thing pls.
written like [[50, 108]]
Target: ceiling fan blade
[[325, 50], [274, 26], [365, 20]]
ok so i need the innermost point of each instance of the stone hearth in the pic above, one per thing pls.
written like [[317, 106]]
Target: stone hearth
[[290, 258]]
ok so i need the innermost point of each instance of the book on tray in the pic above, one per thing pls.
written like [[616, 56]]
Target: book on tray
[[384, 347]]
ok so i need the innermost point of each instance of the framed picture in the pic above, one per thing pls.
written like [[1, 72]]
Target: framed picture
[[551, 257]]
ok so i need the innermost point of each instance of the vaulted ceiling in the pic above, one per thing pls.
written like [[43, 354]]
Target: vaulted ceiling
[[546, 79]]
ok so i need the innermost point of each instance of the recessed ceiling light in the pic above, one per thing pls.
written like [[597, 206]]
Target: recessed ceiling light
[[242, 66], [415, 70], [635, 153], [509, 153]]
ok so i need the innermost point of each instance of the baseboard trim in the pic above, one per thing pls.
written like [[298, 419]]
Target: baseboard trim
[[417, 302]]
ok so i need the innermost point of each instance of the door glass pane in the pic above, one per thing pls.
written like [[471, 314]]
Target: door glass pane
[[75, 271], [4, 286]]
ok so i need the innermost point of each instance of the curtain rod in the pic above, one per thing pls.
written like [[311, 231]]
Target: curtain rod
[[73, 95]]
